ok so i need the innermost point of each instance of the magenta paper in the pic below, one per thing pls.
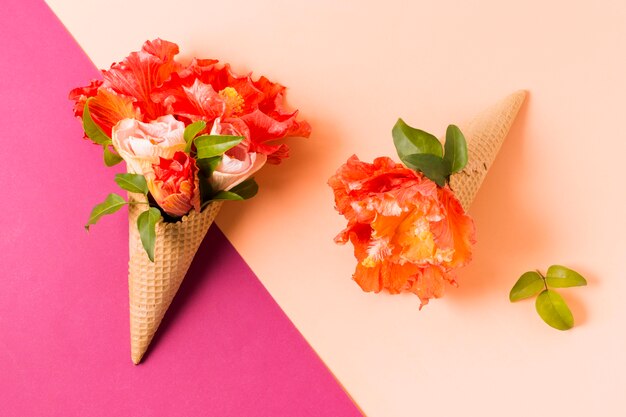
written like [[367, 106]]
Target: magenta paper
[[224, 349]]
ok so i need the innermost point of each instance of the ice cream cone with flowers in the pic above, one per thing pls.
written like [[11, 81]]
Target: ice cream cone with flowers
[[192, 135], [408, 221]]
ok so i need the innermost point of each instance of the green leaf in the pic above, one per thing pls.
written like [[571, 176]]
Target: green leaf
[[208, 165], [409, 141], [135, 183], [560, 277], [111, 158], [92, 130], [227, 195], [209, 146], [111, 204], [247, 189], [243, 191], [191, 132], [432, 166], [553, 310], [146, 223], [527, 285], [455, 149]]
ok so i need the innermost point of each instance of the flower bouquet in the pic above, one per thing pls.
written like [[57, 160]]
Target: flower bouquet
[[408, 223], [192, 135]]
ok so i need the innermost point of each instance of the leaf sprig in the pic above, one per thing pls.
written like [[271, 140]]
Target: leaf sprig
[[422, 151], [207, 150], [550, 306], [147, 220]]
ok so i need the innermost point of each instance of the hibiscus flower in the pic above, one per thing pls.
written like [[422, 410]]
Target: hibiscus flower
[[150, 83], [207, 90], [127, 86]]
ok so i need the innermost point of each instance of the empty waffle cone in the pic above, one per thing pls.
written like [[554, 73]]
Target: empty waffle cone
[[484, 136], [153, 285]]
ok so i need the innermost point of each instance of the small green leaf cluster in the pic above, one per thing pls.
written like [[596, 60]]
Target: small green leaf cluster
[[423, 152], [207, 150], [146, 221], [550, 306]]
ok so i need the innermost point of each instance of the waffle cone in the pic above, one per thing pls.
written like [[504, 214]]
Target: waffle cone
[[484, 136], [153, 285]]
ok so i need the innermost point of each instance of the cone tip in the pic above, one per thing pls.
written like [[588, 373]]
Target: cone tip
[[520, 95], [136, 358], [511, 103]]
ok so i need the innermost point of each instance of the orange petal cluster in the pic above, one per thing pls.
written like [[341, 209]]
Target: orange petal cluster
[[150, 83], [409, 235], [175, 186]]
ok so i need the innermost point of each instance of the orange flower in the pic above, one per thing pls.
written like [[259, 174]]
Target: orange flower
[[127, 86], [174, 185], [408, 234]]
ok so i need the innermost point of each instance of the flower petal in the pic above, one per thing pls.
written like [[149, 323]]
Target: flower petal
[[408, 233], [224, 180], [455, 230], [141, 73], [198, 101], [263, 129], [174, 184], [368, 278], [108, 108], [429, 284]]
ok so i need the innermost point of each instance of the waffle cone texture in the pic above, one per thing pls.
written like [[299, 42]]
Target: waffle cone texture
[[484, 135], [153, 285]]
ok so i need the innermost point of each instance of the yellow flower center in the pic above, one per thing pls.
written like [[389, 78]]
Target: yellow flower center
[[234, 101]]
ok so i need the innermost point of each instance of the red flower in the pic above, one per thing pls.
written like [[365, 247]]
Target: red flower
[[206, 90], [126, 87], [408, 234], [151, 83], [175, 185]]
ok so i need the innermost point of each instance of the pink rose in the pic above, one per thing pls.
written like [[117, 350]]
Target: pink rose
[[142, 144], [237, 164], [174, 185]]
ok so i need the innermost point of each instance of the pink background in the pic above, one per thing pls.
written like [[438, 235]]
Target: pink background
[[225, 347]]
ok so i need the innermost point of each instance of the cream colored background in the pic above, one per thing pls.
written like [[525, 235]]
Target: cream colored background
[[555, 194]]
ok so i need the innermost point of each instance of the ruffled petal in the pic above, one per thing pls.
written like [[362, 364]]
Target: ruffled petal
[[141, 73], [408, 234], [199, 101], [397, 277], [368, 278], [222, 77], [264, 129], [456, 230], [174, 184], [108, 108], [81, 94], [430, 283]]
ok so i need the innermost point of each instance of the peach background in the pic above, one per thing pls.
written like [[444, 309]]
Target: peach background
[[555, 194]]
